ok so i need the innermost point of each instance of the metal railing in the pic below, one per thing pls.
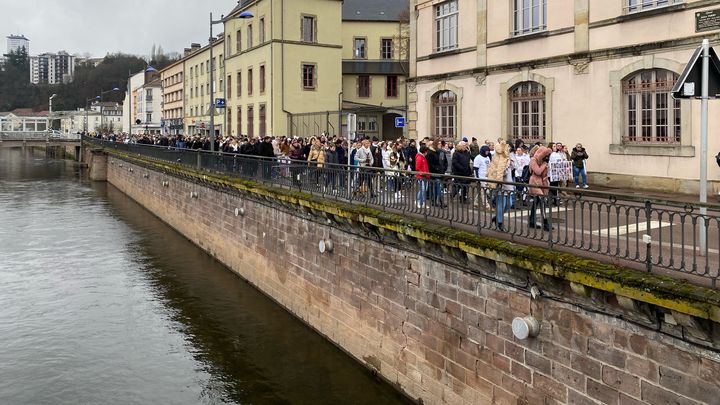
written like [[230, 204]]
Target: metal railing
[[653, 235]]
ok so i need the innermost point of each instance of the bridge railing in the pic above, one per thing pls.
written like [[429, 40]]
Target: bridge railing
[[654, 235], [38, 136]]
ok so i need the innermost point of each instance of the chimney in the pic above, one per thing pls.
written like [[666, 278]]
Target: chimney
[[195, 47], [186, 51]]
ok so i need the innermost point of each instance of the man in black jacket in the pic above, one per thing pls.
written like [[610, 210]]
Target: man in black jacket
[[267, 153], [461, 167], [435, 167]]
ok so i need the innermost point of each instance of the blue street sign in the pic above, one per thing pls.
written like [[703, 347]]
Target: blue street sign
[[399, 122], [219, 103]]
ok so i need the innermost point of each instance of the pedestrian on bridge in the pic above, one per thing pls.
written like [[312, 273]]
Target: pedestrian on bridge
[[539, 165]]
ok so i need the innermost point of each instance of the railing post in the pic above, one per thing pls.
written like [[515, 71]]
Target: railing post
[[648, 243], [199, 160]]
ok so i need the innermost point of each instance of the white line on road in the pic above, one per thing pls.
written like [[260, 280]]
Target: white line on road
[[630, 228]]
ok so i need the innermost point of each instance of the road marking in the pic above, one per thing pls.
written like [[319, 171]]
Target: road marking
[[630, 228]]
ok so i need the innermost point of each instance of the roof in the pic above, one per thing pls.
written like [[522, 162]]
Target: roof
[[374, 10], [17, 37]]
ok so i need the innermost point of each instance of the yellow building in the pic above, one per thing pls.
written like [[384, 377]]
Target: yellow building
[[196, 67], [292, 68], [375, 37], [283, 61], [173, 86]]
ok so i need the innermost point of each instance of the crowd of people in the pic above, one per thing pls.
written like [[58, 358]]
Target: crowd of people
[[511, 173]]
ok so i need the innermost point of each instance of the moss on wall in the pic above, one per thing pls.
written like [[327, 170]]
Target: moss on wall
[[665, 292]]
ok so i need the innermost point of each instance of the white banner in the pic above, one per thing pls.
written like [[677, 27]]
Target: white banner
[[561, 170]]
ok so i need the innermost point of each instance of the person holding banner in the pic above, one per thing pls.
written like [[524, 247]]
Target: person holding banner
[[539, 166], [578, 157]]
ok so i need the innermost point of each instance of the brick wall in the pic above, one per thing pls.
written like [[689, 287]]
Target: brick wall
[[437, 329]]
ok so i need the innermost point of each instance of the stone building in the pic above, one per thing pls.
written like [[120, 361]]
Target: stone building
[[595, 72]]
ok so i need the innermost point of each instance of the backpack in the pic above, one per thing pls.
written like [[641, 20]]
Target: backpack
[[525, 178]]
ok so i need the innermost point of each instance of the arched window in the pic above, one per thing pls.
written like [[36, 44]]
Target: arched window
[[527, 107], [651, 114], [444, 108]]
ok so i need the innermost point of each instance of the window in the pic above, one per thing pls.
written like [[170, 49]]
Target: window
[[386, 48], [651, 114], [250, 82], [229, 45], [250, 119], [446, 26], [262, 79], [261, 117], [444, 110], [238, 41], [529, 16], [527, 101], [239, 121], [249, 36], [229, 118], [229, 87], [261, 29], [363, 86], [308, 29], [634, 6], [391, 87], [308, 76], [148, 118], [239, 84], [360, 48]]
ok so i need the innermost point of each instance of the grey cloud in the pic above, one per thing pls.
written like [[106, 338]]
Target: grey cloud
[[101, 26]]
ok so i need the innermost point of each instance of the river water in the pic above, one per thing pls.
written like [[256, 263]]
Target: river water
[[101, 303]]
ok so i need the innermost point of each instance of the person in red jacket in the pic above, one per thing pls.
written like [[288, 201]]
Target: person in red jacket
[[421, 166]]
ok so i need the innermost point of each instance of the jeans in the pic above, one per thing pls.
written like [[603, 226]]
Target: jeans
[[422, 188], [436, 191], [503, 202], [577, 173], [538, 203]]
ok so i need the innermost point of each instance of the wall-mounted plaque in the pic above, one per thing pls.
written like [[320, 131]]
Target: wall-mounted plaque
[[707, 20]]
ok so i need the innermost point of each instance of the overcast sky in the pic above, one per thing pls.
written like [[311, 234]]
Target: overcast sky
[[99, 27]]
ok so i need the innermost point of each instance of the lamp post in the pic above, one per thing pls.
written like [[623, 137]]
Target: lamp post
[[50, 110], [102, 94], [87, 102], [243, 15]]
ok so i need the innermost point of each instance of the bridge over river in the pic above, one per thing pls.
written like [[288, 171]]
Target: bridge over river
[[12, 139]]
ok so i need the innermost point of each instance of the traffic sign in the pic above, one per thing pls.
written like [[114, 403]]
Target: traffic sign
[[399, 122], [219, 103], [689, 82]]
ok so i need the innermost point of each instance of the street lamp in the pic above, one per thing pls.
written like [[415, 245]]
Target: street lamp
[[244, 15], [50, 110], [87, 102], [102, 94]]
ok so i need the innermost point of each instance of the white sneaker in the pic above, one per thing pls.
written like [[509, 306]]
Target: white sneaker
[[586, 186], [577, 186]]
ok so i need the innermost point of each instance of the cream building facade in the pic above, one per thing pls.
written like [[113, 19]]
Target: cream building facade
[[196, 92], [596, 72], [173, 99]]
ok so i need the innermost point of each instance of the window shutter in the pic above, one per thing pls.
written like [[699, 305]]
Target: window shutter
[[302, 28]]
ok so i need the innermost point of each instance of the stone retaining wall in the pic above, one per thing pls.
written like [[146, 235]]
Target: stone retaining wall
[[431, 312]]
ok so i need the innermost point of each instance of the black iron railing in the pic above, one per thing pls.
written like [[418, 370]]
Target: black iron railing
[[654, 235]]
